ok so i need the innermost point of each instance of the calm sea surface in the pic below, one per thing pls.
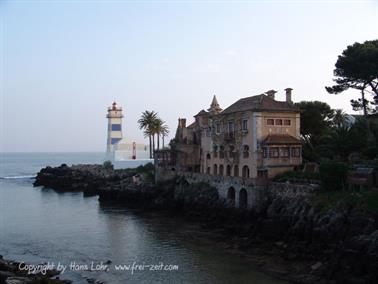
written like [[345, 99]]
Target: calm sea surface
[[39, 225]]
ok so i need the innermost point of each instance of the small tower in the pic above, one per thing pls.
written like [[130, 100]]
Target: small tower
[[114, 117], [214, 107]]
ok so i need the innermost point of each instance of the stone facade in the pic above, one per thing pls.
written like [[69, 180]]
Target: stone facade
[[236, 150], [243, 193], [256, 137], [239, 192]]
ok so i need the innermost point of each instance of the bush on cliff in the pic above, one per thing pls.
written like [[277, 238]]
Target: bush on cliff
[[297, 176], [333, 175], [107, 165], [365, 202], [147, 171]]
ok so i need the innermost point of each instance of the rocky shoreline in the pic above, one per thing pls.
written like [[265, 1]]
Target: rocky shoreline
[[290, 237], [12, 272]]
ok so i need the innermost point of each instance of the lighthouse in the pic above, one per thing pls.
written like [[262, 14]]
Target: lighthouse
[[114, 117]]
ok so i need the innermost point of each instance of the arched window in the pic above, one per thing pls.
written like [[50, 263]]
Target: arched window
[[221, 170], [236, 171], [208, 156], [215, 169], [228, 170], [231, 196], [231, 152], [208, 170], [245, 172], [243, 199], [215, 151], [221, 152], [245, 151]]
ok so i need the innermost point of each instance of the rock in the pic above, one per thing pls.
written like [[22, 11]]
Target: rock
[[316, 265], [87, 178], [18, 280], [5, 274], [11, 274]]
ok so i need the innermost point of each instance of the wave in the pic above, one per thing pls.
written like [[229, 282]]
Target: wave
[[19, 177]]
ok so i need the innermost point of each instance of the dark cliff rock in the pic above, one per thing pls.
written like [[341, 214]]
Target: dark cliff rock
[[87, 178], [10, 272]]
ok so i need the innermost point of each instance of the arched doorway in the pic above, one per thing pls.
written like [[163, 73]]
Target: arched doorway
[[231, 196], [215, 169], [243, 199]]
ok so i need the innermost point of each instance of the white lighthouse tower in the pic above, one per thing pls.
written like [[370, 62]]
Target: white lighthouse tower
[[114, 117]]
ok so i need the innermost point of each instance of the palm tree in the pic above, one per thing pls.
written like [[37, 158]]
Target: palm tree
[[146, 122], [156, 129], [338, 142], [161, 130], [164, 131], [339, 119]]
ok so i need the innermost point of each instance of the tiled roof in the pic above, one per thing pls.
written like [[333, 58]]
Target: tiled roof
[[202, 112], [260, 102], [275, 139], [191, 125]]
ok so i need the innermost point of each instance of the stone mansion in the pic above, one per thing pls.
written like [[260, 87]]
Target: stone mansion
[[255, 138]]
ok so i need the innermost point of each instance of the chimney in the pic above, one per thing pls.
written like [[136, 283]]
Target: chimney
[[182, 122], [271, 93], [288, 95]]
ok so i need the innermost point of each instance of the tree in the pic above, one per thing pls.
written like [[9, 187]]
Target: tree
[[315, 120], [315, 123], [161, 130], [146, 122], [337, 143], [164, 132], [357, 68], [158, 124], [358, 137], [339, 118]]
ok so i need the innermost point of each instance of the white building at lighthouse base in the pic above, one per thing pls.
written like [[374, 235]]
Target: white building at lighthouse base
[[123, 151]]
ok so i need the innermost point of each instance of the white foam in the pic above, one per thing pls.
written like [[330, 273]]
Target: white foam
[[19, 177]]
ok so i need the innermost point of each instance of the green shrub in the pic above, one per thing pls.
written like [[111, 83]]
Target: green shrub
[[294, 176], [107, 165], [147, 168], [333, 175]]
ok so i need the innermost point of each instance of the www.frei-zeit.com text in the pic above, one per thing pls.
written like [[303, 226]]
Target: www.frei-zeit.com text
[[92, 266]]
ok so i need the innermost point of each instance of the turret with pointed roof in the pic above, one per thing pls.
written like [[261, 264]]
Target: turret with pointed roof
[[214, 107]]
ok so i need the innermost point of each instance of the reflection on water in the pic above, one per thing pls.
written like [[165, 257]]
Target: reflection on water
[[39, 225]]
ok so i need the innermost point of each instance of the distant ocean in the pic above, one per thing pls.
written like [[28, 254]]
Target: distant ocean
[[24, 165]]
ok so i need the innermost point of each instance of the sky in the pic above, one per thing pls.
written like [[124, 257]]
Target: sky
[[64, 62]]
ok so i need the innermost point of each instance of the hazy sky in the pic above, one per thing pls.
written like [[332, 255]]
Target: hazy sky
[[64, 62]]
